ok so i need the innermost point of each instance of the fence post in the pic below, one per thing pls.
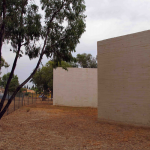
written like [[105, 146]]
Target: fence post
[[7, 100], [14, 103], [36, 97], [28, 99], [19, 100], [48, 97], [22, 98], [32, 98]]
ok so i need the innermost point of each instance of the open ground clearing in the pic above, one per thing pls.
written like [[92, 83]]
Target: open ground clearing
[[43, 126], [19, 102]]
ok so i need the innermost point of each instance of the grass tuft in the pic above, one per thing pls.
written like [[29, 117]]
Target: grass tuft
[[28, 109]]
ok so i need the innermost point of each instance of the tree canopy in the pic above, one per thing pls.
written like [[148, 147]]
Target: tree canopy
[[58, 34], [43, 78], [86, 61], [3, 63], [13, 84]]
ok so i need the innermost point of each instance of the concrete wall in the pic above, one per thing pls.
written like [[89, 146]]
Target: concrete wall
[[76, 87], [124, 79]]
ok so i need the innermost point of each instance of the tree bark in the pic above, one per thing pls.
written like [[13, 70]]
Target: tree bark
[[2, 111], [2, 32], [19, 87], [10, 77]]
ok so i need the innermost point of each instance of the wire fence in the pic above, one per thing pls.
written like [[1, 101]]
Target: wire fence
[[23, 99]]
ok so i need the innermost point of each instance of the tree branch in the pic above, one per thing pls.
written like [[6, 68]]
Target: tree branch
[[57, 12], [9, 79], [2, 111], [2, 32], [14, 64], [20, 86]]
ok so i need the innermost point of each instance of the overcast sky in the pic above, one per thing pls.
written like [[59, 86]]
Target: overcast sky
[[105, 19]]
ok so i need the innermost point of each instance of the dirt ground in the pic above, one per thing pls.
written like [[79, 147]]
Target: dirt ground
[[43, 126], [18, 102]]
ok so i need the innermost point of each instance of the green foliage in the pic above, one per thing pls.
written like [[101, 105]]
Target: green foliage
[[13, 84], [32, 88], [56, 36], [86, 61], [64, 25], [38, 90], [23, 90], [63, 39], [4, 63], [43, 78], [27, 93]]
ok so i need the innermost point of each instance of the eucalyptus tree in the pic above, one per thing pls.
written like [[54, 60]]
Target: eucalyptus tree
[[64, 23], [43, 78], [4, 63], [8, 16], [86, 61], [14, 82]]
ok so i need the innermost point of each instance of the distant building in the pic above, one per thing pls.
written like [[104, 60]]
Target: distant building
[[29, 91]]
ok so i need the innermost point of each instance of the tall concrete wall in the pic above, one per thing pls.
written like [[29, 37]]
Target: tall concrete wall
[[124, 79], [76, 87]]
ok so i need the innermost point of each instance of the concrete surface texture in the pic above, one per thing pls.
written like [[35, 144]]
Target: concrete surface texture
[[124, 79], [76, 87]]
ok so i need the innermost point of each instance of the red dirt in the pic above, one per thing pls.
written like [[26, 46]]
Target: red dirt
[[48, 127]]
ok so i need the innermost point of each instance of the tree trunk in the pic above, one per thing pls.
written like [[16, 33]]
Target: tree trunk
[[19, 87], [10, 77], [2, 32]]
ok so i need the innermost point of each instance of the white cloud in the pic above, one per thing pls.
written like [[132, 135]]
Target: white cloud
[[107, 19], [108, 9]]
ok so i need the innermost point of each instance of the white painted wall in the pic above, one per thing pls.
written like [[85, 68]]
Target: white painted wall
[[76, 87]]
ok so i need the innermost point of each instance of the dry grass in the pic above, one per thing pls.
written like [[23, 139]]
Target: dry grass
[[48, 127], [19, 102]]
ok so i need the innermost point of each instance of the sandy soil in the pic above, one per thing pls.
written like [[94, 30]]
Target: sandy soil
[[43, 126], [18, 102]]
